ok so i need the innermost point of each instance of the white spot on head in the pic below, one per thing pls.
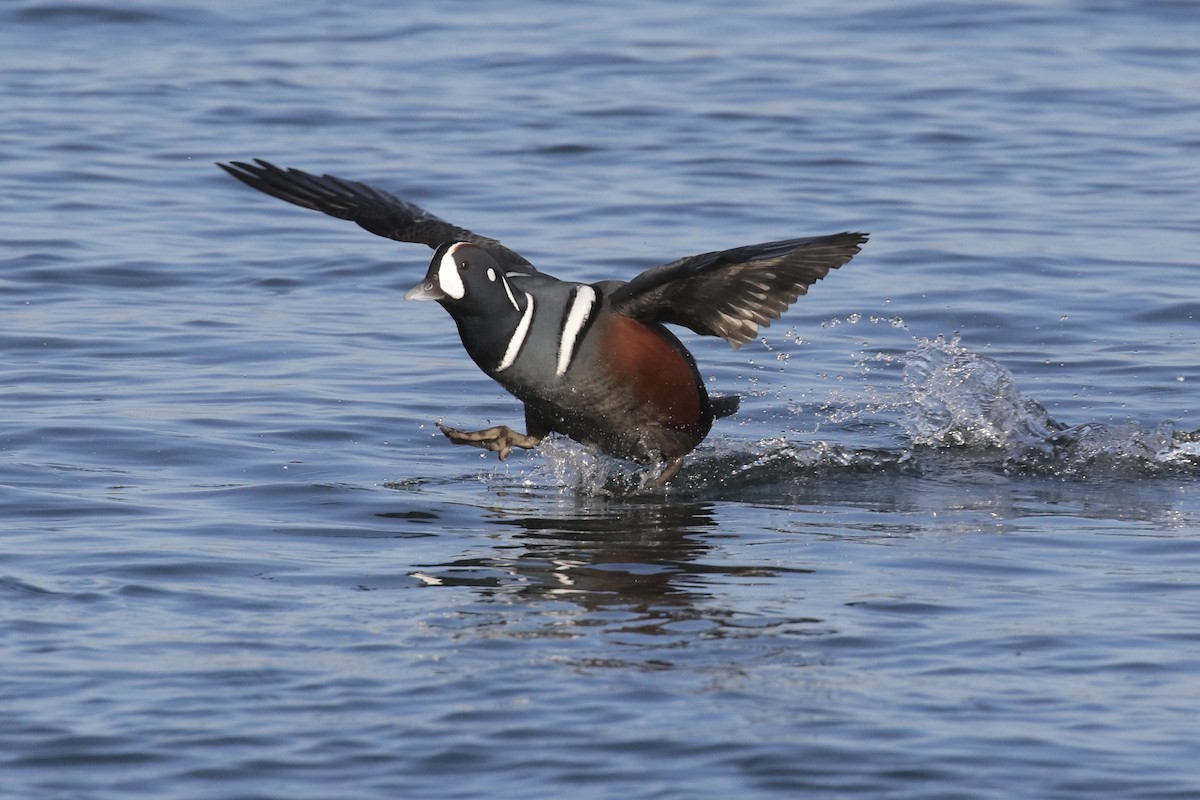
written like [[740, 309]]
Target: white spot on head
[[491, 273]]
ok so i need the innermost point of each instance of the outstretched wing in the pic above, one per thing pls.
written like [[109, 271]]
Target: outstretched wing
[[730, 293], [375, 210]]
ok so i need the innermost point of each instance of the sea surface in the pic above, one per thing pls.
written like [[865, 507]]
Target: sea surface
[[949, 548]]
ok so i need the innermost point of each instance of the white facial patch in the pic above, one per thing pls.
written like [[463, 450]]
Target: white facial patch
[[581, 309], [447, 275], [491, 273]]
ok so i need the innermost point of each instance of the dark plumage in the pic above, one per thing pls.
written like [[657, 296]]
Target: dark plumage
[[592, 361]]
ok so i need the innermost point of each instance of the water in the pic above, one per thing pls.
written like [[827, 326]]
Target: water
[[948, 548]]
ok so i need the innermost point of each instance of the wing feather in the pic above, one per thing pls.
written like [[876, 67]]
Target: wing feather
[[730, 293], [374, 210]]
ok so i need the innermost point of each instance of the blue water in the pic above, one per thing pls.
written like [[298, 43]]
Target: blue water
[[949, 548]]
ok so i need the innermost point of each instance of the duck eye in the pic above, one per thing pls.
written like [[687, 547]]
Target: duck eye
[[463, 266]]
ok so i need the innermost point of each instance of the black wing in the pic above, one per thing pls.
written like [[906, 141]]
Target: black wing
[[375, 210], [731, 292]]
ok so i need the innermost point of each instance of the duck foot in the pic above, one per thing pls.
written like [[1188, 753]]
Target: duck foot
[[664, 477], [499, 439]]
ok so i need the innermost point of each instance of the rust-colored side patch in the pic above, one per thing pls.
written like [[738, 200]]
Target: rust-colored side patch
[[657, 373]]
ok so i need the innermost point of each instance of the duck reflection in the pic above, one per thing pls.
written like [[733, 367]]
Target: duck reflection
[[642, 566], [625, 553]]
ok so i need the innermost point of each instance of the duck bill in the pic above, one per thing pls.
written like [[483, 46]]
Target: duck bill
[[426, 290]]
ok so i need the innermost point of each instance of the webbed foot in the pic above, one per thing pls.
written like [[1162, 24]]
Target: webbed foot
[[499, 439], [665, 477]]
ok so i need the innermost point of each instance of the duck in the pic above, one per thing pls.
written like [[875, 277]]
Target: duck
[[592, 361]]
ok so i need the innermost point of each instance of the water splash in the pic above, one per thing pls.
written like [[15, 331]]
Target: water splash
[[940, 406], [959, 398], [1127, 449], [933, 407], [581, 470], [955, 397], [952, 398]]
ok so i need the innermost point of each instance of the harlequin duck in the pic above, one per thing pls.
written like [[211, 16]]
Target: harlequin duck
[[591, 361]]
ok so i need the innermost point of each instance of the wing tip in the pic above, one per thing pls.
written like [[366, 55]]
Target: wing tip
[[855, 238], [250, 174]]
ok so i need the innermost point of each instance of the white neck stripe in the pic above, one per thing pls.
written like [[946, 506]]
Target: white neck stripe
[[581, 309], [518, 337], [508, 291]]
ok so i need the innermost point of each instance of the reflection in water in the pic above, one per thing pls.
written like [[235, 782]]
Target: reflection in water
[[656, 565], [637, 566]]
